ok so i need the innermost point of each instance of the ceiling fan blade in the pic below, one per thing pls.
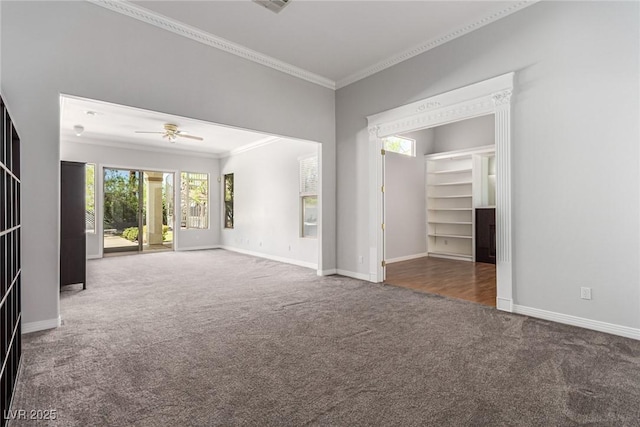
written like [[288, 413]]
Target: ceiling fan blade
[[182, 135], [144, 131]]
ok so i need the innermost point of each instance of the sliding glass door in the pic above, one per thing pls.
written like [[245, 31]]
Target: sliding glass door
[[138, 210]]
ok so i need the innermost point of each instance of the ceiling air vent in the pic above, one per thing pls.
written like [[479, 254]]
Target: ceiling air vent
[[273, 5]]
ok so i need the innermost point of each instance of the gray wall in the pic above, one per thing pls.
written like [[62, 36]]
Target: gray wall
[[405, 219], [469, 133], [81, 49], [575, 149], [267, 202]]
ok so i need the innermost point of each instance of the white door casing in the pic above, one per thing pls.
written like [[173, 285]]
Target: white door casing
[[492, 96]]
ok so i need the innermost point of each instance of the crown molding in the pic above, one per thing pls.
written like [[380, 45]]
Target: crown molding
[[134, 11], [88, 140], [248, 147], [125, 8], [433, 43]]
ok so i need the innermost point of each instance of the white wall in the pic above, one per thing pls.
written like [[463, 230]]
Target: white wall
[[404, 190], [81, 49], [575, 132], [109, 156], [267, 203], [464, 134]]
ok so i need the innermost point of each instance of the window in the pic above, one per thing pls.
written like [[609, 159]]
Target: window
[[228, 200], [400, 145], [90, 198], [309, 196], [194, 189]]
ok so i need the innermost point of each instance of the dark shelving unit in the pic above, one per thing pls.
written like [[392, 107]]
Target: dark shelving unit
[[10, 308]]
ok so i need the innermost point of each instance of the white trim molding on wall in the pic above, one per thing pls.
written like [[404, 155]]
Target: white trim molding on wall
[[406, 258], [596, 325], [272, 257], [492, 96], [41, 325]]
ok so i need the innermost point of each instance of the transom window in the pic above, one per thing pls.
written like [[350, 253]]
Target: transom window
[[400, 145]]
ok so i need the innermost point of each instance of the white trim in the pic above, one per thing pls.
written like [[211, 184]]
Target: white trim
[[504, 304], [197, 248], [492, 96], [353, 275], [181, 29], [94, 256], [41, 325], [406, 258], [431, 44], [145, 15], [140, 147], [261, 143], [468, 258], [596, 325], [305, 264], [327, 272]]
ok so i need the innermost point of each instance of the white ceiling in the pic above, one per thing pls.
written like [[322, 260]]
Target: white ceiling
[[339, 40], [115, 124]]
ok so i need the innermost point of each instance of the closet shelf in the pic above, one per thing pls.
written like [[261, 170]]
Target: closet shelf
[[450, 209], [452, 236], [462, 196], [451, 222], [451, 171], [450, 183]]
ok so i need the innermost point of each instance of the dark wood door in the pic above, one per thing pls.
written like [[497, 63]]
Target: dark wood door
[[72, 224], [486, 235]]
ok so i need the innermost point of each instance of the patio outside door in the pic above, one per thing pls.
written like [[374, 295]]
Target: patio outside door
[[138, 210]]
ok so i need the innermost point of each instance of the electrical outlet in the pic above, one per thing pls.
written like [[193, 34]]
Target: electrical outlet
[[360, 259], [585, 293]]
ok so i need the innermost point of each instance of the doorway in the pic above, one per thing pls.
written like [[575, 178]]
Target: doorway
[[492, 96], [138, 210], [439, 187]]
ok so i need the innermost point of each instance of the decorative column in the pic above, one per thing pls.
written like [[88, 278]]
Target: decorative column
[[502, 103]]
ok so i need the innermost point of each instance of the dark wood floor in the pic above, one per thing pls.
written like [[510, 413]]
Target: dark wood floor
[[465, 280]]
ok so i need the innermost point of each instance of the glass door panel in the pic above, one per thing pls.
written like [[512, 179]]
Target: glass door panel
[[122, 208]]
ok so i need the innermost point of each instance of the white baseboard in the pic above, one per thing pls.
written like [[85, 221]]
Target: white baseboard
[[596, 325], [41, 325], [94, 256], [353, 274], [272, 257], [198, 248], [406, 258], [327, 272], [504, 304]]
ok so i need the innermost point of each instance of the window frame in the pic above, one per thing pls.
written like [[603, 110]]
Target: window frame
[[307, 194], [94, 230], [207, 202], [226, 203], [412, 141]]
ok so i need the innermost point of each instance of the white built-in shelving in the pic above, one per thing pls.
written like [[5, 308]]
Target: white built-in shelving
[[457, 182]]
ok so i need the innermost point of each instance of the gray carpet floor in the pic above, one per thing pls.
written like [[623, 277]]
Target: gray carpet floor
[[216, 338]]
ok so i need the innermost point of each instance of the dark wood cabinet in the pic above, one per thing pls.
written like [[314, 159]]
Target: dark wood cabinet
[[486, 235], [73, 246]]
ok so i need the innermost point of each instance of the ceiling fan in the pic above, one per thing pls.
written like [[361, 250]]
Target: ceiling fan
[[172, 133]]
